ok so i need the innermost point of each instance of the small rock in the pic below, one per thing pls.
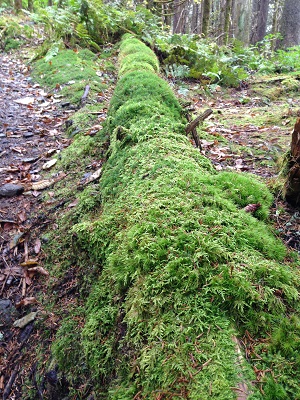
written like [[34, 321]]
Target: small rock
[[28, 134], [10, 190], [20, 323], [7, 312], [30, 159]]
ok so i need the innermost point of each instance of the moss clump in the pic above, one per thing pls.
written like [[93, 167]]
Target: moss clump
[[181, 267], [290, 85], [70, 71]]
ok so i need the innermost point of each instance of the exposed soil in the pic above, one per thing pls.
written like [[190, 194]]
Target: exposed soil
[[31, 133], [31, 130]]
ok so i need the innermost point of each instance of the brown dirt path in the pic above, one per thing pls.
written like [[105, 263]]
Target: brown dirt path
[[31, 133]]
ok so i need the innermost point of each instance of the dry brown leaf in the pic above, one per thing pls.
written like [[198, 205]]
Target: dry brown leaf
[[251, 208], [94, 176], [28, 263], [41, 185], [37, 246], [73, 204], [39, 270], [27, 301], [49, 164], [22, 216], [25, 100]]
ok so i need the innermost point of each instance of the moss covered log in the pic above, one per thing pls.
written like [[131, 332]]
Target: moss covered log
[[184, 271]]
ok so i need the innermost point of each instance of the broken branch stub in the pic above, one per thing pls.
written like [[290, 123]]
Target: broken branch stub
[[292, 184]]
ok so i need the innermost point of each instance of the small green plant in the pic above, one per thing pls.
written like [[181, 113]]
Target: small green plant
[[13, 32]]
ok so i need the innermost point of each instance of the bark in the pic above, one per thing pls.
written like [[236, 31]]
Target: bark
[[277, 12], [18, 5], [30, 5], [292, 186], [290, 23], [196, 18], [179, 19], [259, 20], [242, 17], [227, 21], [206, 16]]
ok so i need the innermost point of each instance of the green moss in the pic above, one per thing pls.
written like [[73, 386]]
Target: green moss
[[290, 85], [271, 93], [70, 71], [181, 267]]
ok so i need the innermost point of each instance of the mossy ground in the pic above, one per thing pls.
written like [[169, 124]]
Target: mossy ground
[[248, 124], [69, 72], [167, 264]]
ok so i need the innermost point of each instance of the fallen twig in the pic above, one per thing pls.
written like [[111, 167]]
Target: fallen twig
[[193, 124], [9, 384], [84, 96]]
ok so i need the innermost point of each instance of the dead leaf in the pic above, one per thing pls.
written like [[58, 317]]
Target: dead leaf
[[27, 301], [73, 204], [25, 100], [93, 177], [39, 270], [15, 241], [22, 216], [41, 185], [251, 208], [28, 263], [37, 246], [22, 322], [49, 164]]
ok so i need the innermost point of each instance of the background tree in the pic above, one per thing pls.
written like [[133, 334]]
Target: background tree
[[196, 24], [290, 23], [260, 10], [18, 5], [206, 16]]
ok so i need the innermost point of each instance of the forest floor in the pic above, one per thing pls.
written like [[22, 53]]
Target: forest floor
[[249, 130]]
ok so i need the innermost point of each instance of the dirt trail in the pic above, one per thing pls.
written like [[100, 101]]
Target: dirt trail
[[31, 133]]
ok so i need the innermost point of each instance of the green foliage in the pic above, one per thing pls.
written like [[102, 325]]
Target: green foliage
[[13, 32], [203, 58], [226, 65], [58, 23], [181, 267], [70, 71], [107, 22]]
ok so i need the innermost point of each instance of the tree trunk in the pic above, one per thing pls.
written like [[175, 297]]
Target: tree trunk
[[30, 5], [50, 3], [179, 15], [206, 16], [292, 186], [219, 32], [290, 23], [196, 18], [259, 20], [18, 5], [227, 22], [242, 17], [277, 12]]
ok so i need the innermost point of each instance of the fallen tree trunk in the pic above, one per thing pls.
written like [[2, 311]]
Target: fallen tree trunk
[[292, 185], [184, 271]]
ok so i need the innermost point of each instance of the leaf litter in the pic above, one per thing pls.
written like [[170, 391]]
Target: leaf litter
[[31, 133]]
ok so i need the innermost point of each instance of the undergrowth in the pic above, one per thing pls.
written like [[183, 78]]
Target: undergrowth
[[172, 266], [68, 72]]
